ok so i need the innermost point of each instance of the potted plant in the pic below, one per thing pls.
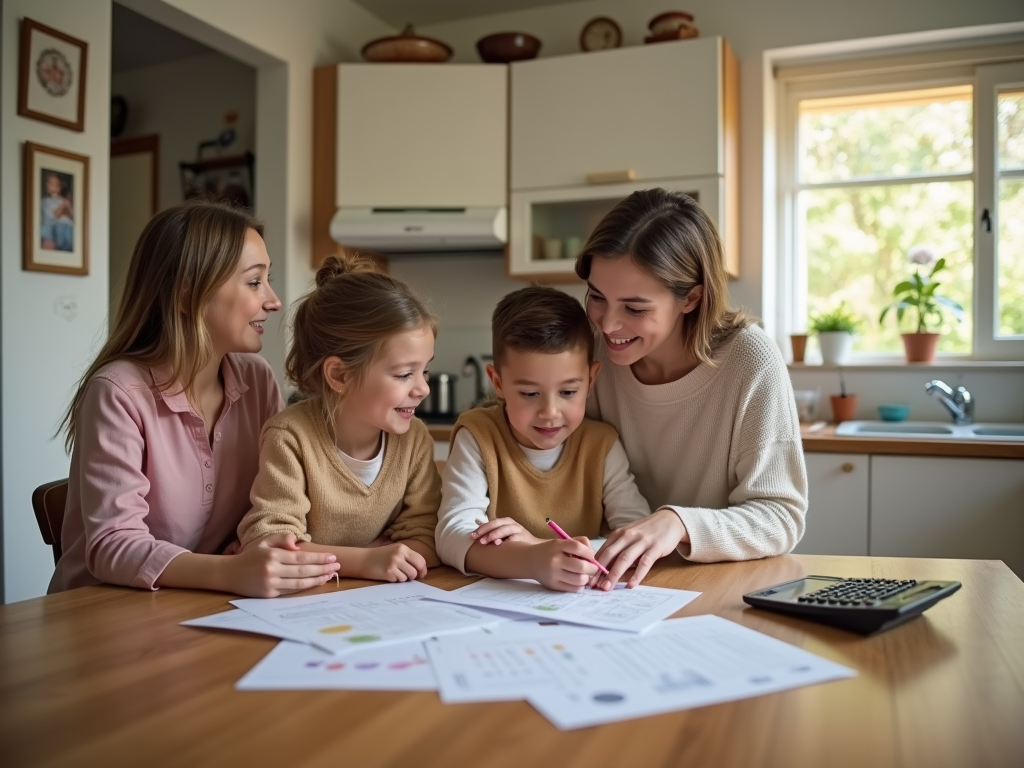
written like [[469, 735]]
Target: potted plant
[[844, 406], [919, 294], [835, 329]]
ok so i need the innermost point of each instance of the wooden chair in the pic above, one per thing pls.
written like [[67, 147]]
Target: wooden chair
[[48, 502]]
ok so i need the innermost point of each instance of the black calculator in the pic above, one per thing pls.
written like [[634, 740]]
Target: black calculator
[[859, 605]]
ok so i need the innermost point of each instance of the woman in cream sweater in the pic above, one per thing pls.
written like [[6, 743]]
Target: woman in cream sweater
[[699, 393]]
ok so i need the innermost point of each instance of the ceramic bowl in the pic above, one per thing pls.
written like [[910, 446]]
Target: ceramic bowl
[[503, 47], [893, 411], [670, 22], [407, 47]]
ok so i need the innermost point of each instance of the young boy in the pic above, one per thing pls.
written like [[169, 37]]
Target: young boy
[[533, 455]]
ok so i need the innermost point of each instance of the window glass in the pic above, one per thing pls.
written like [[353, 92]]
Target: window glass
[[1010, 245], [859, 217], [888, 134]]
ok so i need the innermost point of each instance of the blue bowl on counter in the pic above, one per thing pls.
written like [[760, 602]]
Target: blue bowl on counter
[[893, 412]]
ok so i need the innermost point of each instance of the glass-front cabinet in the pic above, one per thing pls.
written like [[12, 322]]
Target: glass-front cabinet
[[548, 227], [586, 130]]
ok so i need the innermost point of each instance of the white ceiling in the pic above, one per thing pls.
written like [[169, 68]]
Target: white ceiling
[[398, 13]]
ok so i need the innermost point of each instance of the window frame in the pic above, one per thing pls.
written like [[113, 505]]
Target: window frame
[[886, 69]]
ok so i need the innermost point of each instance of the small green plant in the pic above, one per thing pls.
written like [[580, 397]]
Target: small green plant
[[918, 293], [838, 320]]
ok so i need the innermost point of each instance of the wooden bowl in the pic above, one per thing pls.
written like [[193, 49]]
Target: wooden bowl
[[407, 47], [503, 47]]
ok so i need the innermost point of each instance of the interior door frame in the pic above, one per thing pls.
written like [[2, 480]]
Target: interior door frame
[[138, 145]]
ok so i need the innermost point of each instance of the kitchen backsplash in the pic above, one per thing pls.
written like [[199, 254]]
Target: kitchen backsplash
[[462, 290]]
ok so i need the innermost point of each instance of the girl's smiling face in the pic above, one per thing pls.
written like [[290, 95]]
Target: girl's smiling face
[[635, 313], [384, 399]]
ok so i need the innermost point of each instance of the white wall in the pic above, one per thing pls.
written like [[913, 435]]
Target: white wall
[[43, 354], [185, 102]]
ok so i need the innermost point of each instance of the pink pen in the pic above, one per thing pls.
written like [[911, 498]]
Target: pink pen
[[563, 535]]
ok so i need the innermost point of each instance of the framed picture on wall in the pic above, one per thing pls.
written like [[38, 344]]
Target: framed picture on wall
[[51, 76], [55, 206]]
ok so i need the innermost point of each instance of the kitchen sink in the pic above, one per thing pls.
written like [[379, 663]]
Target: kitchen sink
[[932, 430]]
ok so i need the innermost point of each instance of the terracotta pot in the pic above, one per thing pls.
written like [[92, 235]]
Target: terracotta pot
[[799, 342], [920, 347], [843, 408]]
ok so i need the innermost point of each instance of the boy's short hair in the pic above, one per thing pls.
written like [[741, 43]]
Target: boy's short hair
[[540, 319]]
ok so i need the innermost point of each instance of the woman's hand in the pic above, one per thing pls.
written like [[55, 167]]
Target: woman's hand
[[639, 543], [268, 571], [394, 562], [501, 529], [562, 564]]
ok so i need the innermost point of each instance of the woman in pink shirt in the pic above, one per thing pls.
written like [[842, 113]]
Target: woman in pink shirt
[[164, 426]]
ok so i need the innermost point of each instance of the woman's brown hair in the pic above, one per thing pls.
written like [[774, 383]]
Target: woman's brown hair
[[669, 236], [352, 313], [184, 254]]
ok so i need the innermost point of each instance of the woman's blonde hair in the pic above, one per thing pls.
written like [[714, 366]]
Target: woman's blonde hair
[[184, 254], [352, 313], [669, 236]]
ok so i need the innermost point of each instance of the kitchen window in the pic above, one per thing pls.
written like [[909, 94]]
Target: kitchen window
[[877, 158]]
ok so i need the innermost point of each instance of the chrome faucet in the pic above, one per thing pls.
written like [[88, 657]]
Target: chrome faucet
[[960, 404]]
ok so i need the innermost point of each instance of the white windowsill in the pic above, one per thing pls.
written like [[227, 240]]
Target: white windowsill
[[894, 364]]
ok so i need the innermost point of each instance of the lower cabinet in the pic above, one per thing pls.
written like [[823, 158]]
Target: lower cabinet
[[915, 506], [837, 513], [948, 507]]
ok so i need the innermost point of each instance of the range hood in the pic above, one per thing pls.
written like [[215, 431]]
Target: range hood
[[411, 230]]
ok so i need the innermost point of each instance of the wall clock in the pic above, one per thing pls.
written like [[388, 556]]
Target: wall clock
[[600, 34]]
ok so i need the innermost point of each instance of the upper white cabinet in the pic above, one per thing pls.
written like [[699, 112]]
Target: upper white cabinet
[[657, 110], [653, 115], [411, 135]]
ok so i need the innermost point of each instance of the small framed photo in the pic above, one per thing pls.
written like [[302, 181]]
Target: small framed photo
[[51, 76], [55, 205]]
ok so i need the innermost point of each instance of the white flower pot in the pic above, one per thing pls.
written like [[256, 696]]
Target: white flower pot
[[835, 347]]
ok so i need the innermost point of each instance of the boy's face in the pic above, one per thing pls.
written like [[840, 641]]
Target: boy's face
[[52, 184], [545, 394]]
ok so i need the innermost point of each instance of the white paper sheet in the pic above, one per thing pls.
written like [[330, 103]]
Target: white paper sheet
[[240, 621], [503, 663], [684, 663], [342, 622], [628, 610], [300, 667]]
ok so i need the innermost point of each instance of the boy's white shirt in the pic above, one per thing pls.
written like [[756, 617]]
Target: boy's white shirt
[[465, 499]]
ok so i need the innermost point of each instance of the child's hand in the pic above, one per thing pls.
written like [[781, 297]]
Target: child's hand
[[501, 529], [394, 562], [275, 541], [264, 571], [562, 564]]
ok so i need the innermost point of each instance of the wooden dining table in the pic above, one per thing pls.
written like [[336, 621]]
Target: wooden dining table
[[106, 676]]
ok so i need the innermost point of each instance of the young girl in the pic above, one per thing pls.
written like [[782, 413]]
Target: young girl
[[699, 393], [163, 426], [349, 471]]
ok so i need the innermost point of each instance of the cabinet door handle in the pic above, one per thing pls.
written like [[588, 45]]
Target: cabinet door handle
[[847, 467], [611, 177]]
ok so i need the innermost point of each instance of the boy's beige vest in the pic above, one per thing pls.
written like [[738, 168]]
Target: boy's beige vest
[[570, 493]]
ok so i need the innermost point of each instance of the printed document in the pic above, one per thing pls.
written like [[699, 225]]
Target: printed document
[[240, 621], [345, 621], [684, 663], [300, 667], [628, 610]]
